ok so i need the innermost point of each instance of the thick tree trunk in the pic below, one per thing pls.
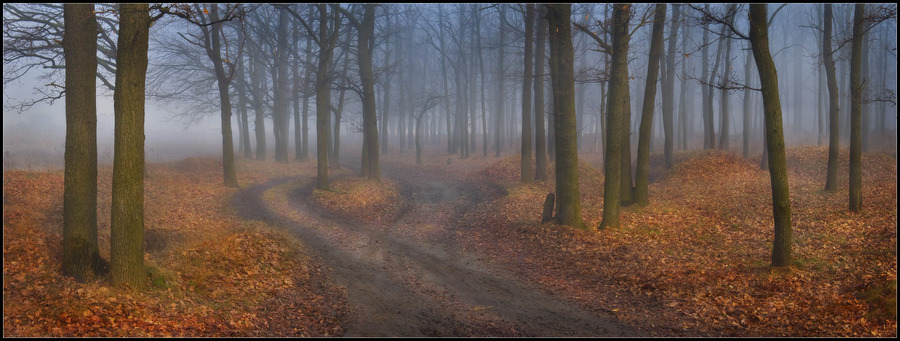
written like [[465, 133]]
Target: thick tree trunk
[[643, 157], [618, 81], [127, 222], [568, 211], [81, 253], [768, 76]]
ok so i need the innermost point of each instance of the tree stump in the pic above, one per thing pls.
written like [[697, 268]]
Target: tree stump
[[548, 208]]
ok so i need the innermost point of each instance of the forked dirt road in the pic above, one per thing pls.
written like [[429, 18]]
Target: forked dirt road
[[412, 278]]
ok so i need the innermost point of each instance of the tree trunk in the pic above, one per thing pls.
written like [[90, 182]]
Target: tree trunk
[[295, 93], [643, 157], [568, 211], [127, 223], [865, 79], [856, 91], [710, 130], [484, 135], [682, 103], [833, 107], [498, 115], [444, 79], [338, 113], [707, 116], [526, 171], [81, 253], [748, 64], [304, 144], [668, 92], [781, 203], [723, 112], [323, 95], [281, 97], [257, 80], [364, 48], [618, 81], [419, 139], [627, 184], [540, 143]]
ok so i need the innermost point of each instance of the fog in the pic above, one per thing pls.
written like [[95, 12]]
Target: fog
[[417, 50]]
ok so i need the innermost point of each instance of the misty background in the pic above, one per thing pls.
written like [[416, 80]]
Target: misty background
[[34, 138]]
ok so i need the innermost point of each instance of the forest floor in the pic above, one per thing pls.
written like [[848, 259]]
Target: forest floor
[[455, 247]]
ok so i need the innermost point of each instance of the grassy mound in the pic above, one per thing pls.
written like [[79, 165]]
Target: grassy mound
[[361, 199]]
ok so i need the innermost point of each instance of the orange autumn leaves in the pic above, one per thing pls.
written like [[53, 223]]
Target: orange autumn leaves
[[211, 274], [695, 261]]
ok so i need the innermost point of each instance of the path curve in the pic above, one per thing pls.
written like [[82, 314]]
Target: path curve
[[402, 282]]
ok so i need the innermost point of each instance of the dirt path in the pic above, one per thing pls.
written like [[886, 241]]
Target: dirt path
[[411, 278]]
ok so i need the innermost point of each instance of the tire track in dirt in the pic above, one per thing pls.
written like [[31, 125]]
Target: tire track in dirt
[[402, 282]]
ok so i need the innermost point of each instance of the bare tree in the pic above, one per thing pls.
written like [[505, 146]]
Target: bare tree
[[326, 38], [643, 158], [781, 203]]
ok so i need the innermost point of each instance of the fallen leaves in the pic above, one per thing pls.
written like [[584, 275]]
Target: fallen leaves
[[361, 199], [211, 274], [695, 262]]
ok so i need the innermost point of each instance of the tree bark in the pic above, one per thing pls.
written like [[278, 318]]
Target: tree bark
[[856, 91], [568, 211], [627, 184], [127, 223], [643, 157], [833, 104], [257, 82], [668, 92], [709, 132], [781, 203], [327, 40], [526, 172], [540, 143], [364, 48], [618, 80], [281, 97], [81, 253], [723, 112], [748, 65]]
